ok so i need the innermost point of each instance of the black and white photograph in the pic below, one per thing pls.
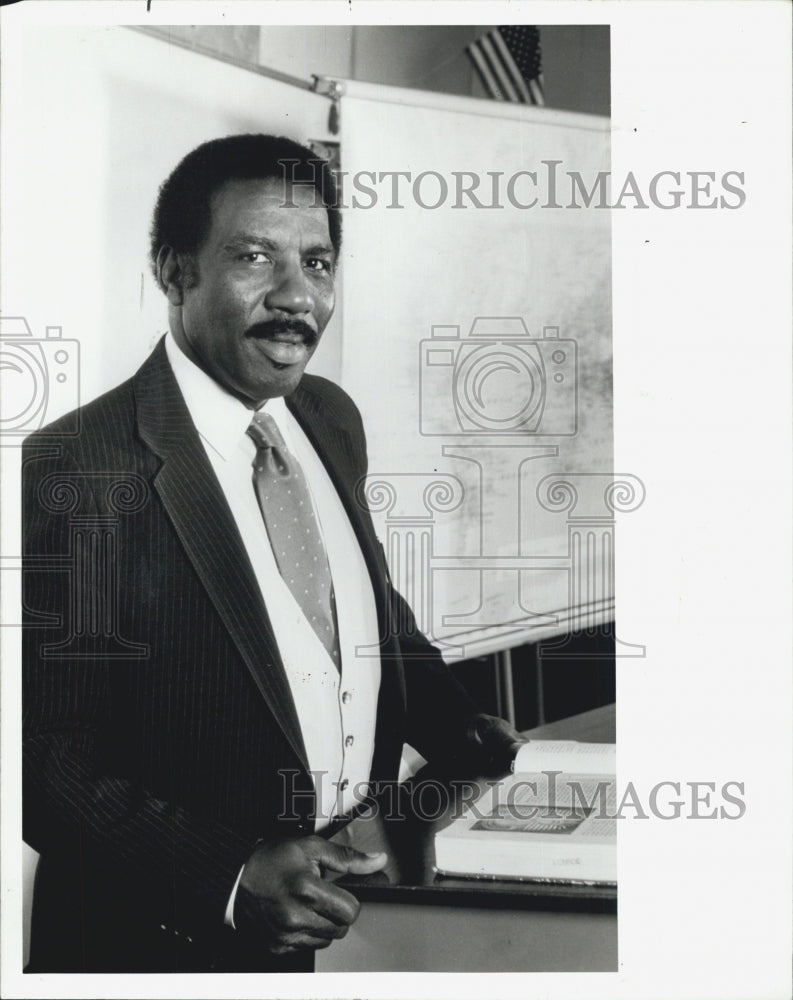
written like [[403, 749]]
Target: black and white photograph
[[389, 470]]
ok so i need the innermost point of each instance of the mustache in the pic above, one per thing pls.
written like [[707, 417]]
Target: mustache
[[273, 327]]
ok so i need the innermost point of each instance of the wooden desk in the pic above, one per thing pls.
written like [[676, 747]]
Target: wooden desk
[[413, 920]]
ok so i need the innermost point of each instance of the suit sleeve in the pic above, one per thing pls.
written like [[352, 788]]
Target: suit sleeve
[[440, 713], [75, 808]]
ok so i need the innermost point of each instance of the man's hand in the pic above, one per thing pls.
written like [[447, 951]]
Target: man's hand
[[283, 901], [495, 743]]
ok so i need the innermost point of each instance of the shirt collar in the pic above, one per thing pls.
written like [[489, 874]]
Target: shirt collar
[[220, 418]]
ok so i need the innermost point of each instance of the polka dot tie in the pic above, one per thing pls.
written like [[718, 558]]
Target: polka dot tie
[[288, 513]]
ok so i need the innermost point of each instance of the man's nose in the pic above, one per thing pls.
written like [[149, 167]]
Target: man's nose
[[291, 290]]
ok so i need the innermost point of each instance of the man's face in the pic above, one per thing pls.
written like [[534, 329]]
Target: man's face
[[263, 289]]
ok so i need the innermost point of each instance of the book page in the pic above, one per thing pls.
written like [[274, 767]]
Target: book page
[[577, 806], [566, 755]]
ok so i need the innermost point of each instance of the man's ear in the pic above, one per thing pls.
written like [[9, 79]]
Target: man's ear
[[171, 275]]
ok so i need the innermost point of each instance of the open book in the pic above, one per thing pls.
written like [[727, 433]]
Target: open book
[[552, 819]]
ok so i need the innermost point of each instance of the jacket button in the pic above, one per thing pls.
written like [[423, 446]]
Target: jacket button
[[344, 785], [346, 697], [349, 741]]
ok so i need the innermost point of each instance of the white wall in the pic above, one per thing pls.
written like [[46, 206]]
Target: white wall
[[308, 50]]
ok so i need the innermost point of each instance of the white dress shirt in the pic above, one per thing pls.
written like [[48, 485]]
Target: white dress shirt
[[336, 710]]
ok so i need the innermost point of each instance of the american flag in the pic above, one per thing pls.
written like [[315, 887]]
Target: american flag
[[509, 63]]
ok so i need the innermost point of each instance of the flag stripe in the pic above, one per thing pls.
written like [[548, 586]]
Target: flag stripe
[[487, 77], [497, 67], [513, 70]]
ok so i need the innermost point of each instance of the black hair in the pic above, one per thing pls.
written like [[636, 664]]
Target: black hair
[[182, 215]]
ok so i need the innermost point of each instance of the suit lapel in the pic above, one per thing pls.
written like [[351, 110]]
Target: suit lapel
[[194, 500]]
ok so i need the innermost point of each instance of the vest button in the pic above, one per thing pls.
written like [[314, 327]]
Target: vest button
[[349, 741], [346, 697]]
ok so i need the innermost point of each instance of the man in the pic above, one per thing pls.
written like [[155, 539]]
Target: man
[[216, 663]]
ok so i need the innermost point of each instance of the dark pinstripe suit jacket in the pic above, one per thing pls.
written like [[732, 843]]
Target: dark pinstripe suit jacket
[[158, 719]]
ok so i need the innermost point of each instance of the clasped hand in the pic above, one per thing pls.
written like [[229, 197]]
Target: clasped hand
[[284, 902]]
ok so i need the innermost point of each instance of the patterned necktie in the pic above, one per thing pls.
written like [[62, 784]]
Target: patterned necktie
[[288, 513]]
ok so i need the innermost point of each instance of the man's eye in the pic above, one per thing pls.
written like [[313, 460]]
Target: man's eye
[[256, 257], [320, 265]]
